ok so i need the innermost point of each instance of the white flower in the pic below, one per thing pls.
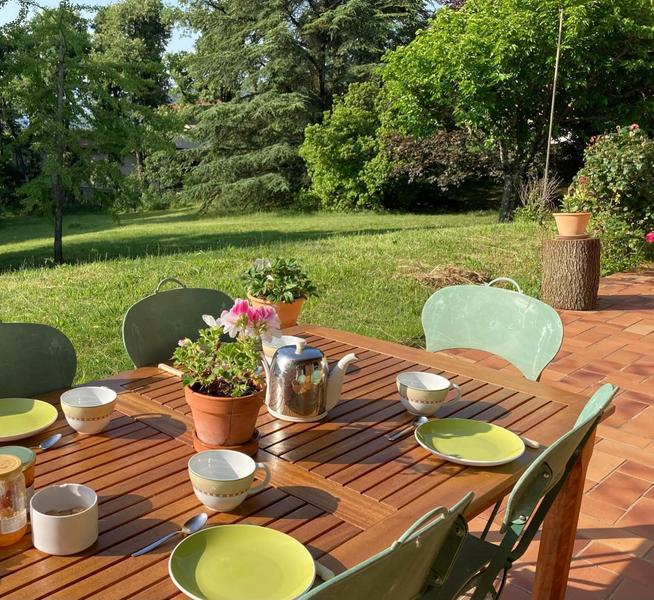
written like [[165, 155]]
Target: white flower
[[210, 321]]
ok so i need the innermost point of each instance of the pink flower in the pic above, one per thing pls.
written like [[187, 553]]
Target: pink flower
[[649, 238], [634, 127], [245, 321], [210, 321]]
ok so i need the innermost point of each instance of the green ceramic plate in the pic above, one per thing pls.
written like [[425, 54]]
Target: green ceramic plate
[[241, 562], [469, 442], [22, 418]]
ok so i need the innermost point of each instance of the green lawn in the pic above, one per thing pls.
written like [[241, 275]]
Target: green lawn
[[355, 259]]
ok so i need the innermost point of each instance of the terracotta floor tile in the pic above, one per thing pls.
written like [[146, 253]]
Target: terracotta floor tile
[[630, 590], [588, 582], [598, 508], [642, 423], [639, 470], [601, 465], [606, 430], [625, 319], [624, 357], [639, 518], [641, 328], [620, 490], [620, 563], [625, 409]]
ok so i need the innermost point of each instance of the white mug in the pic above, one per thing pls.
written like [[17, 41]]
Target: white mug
[[222, 479], [62, 534], [422, 393]]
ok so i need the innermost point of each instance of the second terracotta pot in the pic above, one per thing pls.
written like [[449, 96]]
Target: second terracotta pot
[[221, 421], [572, 224], [287, 312]]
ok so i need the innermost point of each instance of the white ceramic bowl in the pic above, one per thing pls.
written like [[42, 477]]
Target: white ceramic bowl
[[88, 409], [422, 393], [64, 534]]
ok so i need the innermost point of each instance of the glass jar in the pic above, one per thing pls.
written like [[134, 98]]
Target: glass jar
[[13, 500], [28, 459]]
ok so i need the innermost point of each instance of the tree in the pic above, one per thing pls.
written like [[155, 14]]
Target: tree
[[267, 68], [343, 153], [488, 68], [133, 34], [69, 119]]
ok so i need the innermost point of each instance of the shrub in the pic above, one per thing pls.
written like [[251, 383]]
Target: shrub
[[342, 152], [618, 174], [623, 244], [536, 206], [282, 280]]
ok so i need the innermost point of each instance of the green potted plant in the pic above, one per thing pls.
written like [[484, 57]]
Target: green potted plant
[[572, 220], [281, 284], [224, 384]]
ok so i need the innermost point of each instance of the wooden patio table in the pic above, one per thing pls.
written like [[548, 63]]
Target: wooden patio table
[[338, 485]]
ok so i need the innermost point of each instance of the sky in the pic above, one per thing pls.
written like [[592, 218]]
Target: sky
[[181, 40]]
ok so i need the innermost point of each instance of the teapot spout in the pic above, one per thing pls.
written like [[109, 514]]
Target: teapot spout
[[335, 382]]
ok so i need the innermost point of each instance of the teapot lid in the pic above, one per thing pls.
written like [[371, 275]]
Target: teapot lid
[[299, 352]]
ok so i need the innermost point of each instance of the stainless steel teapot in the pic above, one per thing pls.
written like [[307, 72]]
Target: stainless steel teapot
[[300, 385]]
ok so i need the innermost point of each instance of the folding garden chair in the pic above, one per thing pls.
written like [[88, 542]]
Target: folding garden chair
[[34, 359], [153, 326], [480, 562], [403, 571], [520, 329]]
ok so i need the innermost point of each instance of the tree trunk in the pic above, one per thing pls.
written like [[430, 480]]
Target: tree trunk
[[57, 184], [571, 273], [509, 193], [140, 159]]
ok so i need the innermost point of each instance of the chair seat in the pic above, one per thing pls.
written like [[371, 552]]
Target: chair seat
[[474, 555]]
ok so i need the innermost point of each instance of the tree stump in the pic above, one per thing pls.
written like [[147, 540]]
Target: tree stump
[[571, 273]]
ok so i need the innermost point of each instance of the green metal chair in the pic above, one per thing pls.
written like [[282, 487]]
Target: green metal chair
[[34, 359], [153, 326], [520, 329], [480, 562], [403, 571]]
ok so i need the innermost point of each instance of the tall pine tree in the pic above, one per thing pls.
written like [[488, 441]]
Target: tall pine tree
[[267, 68]]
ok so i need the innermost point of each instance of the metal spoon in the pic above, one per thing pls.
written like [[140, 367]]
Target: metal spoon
[[191, 526], [48, 442], [391, 437]]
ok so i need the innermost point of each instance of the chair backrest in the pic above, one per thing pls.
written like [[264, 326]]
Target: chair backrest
[[520, 329], [403, 571], [153, 326], [548, 469], [34, 359]]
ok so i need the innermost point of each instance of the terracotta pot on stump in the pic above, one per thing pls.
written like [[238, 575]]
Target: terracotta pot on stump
[[225, 422], [572, 224], [287, 312]]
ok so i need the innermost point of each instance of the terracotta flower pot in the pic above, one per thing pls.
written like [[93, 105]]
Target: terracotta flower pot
[[221, 421], [572, 224], [287, 312]]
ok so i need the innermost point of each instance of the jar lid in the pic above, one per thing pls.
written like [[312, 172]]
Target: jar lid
[[9, 465], [27, 457]]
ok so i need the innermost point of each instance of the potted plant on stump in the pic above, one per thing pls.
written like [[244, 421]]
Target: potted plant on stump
[[281, 284], [224, 384], [573, 218]]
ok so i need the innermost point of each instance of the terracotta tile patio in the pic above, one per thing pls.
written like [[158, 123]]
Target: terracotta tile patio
[[615, 543]]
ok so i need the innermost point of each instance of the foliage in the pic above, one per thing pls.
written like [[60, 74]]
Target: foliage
[[445, 159], [536, 203], [622, 242], [618, 174], [263, 71], [488, 68], [68, 118], [217, 368], [343, 152], [282, 280], [132, 35]]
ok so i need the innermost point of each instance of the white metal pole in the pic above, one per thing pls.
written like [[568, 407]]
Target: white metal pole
[[556, 75]]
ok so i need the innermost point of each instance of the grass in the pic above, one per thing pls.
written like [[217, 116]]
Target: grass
[[356, 260]]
